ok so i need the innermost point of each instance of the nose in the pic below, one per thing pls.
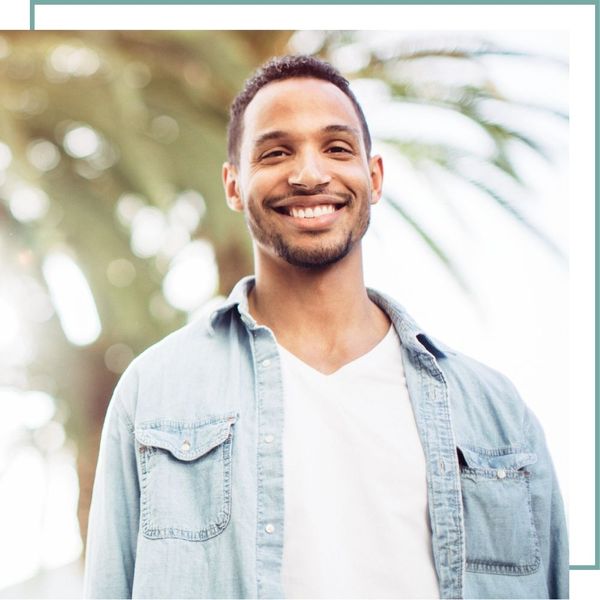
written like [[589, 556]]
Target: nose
[[308, 171]]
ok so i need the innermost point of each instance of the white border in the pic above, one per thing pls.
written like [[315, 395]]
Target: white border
[[420, 17]]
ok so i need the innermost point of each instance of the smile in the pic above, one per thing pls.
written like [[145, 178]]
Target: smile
[[308, 212]]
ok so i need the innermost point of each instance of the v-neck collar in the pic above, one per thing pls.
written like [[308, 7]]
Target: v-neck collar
[[368, 357]]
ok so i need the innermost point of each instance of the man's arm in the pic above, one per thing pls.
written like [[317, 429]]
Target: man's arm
[[114, 513], [548, 512]]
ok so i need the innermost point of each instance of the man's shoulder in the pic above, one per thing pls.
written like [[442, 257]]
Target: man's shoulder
[[461, 369], [479, 376], [486, 406], [179, 361], [173, 347], [415, 337]]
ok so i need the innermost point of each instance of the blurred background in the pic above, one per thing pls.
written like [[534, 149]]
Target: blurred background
[[114, 230]]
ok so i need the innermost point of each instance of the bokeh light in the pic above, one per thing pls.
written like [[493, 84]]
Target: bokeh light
[[127, 208], [9, 323], [81, 141], [72, 299], [43, 155], [37, 408], [137, 74], [77, 61], [188, 210], [28, 203], [148, 231], [5, 156], [192, 278], [164, 129], [4, 48], [117, 357], [120, 272]]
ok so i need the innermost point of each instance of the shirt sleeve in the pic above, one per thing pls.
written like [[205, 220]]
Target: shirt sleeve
[[548, 513], [114, 513]]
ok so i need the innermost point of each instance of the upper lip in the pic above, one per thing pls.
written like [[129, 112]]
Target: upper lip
[[310, 201]]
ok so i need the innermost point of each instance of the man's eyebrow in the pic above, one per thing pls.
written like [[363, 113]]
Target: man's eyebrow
[[279, 134], [268, 136], [342, 129]]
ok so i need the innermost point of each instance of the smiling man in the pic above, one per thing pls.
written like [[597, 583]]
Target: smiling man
[[325, 211], [308, 439]]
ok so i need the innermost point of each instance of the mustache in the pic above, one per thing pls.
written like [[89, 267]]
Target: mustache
[[270, 200]]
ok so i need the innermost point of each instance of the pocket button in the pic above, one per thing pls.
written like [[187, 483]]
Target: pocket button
[[185, 447], [501, 474]]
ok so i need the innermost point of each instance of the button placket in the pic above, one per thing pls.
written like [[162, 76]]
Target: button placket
[[269, 546]]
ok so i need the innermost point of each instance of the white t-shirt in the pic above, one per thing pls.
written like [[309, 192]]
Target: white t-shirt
[[356, 519]]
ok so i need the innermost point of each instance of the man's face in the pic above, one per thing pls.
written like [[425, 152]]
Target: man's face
[[304, 181]]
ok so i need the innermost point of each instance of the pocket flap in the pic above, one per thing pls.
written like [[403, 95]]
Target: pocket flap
[[186, 441], [500, 458]]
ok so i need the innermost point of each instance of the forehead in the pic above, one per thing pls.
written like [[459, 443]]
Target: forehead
[[298, 104]]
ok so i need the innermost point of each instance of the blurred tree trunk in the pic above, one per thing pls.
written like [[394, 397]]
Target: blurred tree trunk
[[89, 414]]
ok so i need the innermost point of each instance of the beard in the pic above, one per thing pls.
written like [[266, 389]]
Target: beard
[[319, 255], [311, 258]]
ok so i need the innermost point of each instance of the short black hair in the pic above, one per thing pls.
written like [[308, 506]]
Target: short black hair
[[279, 68]]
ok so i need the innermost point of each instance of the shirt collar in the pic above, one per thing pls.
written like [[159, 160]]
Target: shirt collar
[[411, 335], [237, 298]]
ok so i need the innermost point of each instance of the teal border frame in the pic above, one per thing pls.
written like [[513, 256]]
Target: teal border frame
[[596, 565]]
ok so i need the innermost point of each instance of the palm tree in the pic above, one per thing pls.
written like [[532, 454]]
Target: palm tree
[[101, 125]]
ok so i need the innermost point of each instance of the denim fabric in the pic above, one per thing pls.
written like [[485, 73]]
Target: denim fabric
[[188, 498]]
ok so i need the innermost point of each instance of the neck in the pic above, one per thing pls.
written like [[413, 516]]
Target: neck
[[317, 308]]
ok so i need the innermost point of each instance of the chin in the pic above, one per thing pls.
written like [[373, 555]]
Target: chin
[[313, 258]]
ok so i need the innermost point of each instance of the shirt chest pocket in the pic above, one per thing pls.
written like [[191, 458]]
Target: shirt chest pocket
[[185, 477], [500, 533]]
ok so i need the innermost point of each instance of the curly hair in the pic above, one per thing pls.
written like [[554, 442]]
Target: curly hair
[[279, 68]]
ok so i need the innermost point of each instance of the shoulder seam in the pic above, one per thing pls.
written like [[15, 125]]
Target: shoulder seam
[[122, 414]]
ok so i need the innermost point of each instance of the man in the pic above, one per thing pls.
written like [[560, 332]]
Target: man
[[308, 439]]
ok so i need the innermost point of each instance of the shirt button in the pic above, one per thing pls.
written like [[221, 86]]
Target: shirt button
[[269, 438], [269, 528], [501, 474], [185, 447], [266, 363]]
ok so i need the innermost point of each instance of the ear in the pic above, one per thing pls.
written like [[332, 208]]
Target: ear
[[376, 172], [232, 190]]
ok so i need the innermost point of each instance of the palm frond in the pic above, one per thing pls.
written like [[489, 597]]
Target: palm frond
[[429, 240], [510, 208]]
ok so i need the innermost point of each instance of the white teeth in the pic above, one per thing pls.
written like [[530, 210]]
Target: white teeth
[[311, 212]]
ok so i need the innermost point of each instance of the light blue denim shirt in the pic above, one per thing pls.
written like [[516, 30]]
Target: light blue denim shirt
[[188, 498]]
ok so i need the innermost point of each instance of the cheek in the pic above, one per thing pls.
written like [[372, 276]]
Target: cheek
[[354, 175], [264, 185]]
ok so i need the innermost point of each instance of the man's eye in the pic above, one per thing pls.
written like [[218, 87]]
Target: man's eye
[[339, 150], [274, 154]]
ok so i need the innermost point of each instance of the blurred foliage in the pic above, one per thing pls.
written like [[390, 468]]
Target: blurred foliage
[[156, 105]]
